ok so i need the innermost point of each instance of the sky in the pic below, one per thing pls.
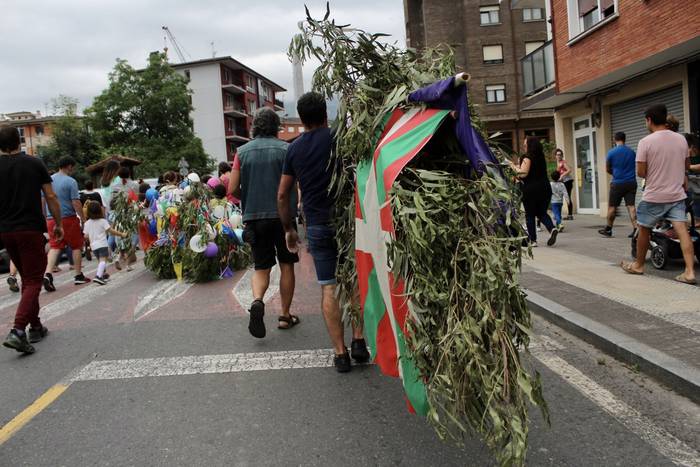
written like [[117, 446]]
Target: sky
[[51, 47]]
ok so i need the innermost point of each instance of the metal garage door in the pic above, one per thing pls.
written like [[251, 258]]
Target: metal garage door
[[628, 116]]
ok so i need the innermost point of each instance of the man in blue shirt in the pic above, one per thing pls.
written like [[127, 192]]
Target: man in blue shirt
[[620, 163], [309, 162], [66, 189]]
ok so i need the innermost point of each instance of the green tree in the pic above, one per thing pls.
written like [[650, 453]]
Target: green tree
[[146, 114], [70, 137]]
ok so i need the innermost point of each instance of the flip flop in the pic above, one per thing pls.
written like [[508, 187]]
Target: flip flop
[[291, 320], [681, 278], [627, 267]]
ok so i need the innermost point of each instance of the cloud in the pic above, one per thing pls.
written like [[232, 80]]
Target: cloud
[[72, 45]]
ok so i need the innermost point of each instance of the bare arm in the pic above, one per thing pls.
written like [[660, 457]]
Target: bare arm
[[116, 233], [567, 170], [234, 184], [523, 169], [285, 188], [78, 206], [642, 169], [54, 209]]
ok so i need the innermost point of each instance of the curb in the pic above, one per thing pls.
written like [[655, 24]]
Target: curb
[[678, 375]]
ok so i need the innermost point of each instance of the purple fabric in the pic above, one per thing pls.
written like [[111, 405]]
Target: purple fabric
[[445, 96]]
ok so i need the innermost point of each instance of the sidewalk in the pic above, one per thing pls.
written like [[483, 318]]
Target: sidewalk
[[649, 321]]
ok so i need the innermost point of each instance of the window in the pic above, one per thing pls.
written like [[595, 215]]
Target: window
[[495, 93], [21, 135], [229, 125], [532, 14], [290, 129], [493, 53], [489, 15], [252, 107], [585, 14], [250, 83], [532, 46], [187, 74], [227, 76], [39, 130]]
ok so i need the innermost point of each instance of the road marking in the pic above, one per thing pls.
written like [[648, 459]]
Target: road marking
[[204, 364], [162, 293], [665, 299], [243, 291], [88, 293], [22, 418], [660, 439]]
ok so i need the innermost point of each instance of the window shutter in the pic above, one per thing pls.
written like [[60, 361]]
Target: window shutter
[[585, 6], [605, 4], [493, 52]]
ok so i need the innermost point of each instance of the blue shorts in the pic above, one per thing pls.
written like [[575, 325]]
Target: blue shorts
[[649, 214], [324, 250], [101, 253]]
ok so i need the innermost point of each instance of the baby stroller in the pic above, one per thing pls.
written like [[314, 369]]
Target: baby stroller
[[664, 243]]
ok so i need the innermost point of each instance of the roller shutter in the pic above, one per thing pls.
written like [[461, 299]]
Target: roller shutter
[[628, 116]]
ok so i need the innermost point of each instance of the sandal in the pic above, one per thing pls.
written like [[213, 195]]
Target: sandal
[[627, 267], [681, 278], [291, 321]]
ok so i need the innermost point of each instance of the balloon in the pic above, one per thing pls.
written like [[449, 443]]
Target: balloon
[[213, 182], [153, 227], [219, 212], [239, 235], [236, 220], [212, 250], [196, 244], [193, 177], [151, 194]]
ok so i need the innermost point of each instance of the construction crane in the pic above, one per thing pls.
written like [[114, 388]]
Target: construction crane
[[179, 50]]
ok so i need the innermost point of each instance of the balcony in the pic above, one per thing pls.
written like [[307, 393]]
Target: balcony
[[238, 135], [235, 111], [538, 69], [279, 105], [234, 87]]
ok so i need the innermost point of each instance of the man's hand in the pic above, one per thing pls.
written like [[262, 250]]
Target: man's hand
[[292, 238], [58, 233]]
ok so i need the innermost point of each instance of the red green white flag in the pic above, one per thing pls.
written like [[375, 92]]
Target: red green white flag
[[385, 309]]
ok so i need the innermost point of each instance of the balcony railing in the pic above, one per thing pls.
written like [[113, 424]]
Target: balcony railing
[[538, 69], [279, 105]]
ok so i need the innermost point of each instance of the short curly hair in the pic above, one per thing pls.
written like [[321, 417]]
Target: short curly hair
[[266, 123]]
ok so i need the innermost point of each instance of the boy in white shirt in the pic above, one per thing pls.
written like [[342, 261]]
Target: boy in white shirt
[[559, 196]]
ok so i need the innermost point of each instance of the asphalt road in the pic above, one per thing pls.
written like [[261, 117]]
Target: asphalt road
[[151, 373]]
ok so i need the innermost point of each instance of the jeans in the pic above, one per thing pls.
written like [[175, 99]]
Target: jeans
[[26, 250], [556, 210], [324, 250]]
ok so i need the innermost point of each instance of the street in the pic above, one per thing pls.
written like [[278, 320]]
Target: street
[[148, 372]]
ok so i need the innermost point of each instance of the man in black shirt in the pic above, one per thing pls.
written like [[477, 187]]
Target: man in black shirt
[[22, 227], [308, 161]]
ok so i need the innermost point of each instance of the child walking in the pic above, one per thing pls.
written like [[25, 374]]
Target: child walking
[[96, 229], [559, 195]]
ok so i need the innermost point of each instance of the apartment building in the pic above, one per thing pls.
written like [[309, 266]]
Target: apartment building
[[290, 128], [609, 60], [489, 38], [225, 96], [35, 130]]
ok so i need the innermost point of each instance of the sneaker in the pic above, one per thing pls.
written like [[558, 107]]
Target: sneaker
[[12, 282], [48, 282], [36, 335], [342, 363], [605, 232], [358, 351], [552, 237], [569, 218], [105, 276], [560, 228], [80, 279], [99, 280], [256, 325], [18, 342]]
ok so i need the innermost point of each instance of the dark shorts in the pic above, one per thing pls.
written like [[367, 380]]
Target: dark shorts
[[620, 191], [101, 252], [324, 250], [266, 239]]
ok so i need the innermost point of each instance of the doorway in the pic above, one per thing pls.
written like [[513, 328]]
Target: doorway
[[585, 164]]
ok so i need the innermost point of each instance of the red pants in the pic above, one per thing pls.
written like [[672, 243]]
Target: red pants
[[26, 250]]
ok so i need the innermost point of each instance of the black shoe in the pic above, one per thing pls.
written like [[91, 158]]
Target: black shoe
[[12, 282], [35, 335], [256, 325], [80, 279], [631, 235], [99, 280], [552, 237], [342, 363], [606, 232], [358, 351], [48, 282], [19, 343]]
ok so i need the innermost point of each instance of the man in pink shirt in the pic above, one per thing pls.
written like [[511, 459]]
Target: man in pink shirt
[[662, 159]]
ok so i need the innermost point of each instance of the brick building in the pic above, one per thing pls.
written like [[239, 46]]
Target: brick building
[[290, 128], [612, 59], [34, 130], [490, 39], [225, 96]]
